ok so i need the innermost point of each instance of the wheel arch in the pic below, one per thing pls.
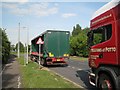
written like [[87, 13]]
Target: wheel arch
[[108, 71]]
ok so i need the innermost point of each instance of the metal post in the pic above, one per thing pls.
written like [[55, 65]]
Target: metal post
[[19, 41], [24, 55], [27, 44], [39, 53]]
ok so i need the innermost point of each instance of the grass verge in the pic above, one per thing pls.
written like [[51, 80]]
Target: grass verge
[[78, 58], [33, 77]]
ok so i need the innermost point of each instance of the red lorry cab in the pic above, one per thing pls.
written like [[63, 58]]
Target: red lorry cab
[[104, 43]]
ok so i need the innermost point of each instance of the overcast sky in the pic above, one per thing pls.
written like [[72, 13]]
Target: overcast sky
[[39, 16]]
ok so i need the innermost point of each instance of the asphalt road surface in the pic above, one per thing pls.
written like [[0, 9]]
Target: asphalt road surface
[[76, 71]]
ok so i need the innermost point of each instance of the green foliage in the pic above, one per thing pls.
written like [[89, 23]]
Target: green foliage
[[97, 38], [76, 30], [5, 46], [21, 47], [78, 42], [12, 48]]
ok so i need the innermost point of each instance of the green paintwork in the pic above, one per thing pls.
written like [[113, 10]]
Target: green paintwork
[[34, 46], [55, 42]]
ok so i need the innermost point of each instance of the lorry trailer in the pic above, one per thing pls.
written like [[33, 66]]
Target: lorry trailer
[[54, 50], [104, 47]]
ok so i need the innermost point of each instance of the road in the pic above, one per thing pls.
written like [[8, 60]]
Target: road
[[76, 71]]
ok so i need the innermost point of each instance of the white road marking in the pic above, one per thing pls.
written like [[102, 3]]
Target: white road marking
[[73, 67], [79, 69], [19, 83], [69, 66]]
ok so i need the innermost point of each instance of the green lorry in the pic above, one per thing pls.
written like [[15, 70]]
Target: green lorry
[[51, 47]]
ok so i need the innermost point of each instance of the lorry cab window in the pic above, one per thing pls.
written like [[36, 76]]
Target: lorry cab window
[[90, 38], [102, 34]]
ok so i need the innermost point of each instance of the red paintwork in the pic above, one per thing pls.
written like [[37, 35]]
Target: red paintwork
[[55, 59], [35, 53], [112, 58]]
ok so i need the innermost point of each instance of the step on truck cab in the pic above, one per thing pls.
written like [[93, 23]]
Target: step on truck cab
[[54, 50], [104, 47]]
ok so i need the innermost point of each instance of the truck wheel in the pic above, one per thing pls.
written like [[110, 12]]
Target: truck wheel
[[105, 83], [33, 58], [43, 62]]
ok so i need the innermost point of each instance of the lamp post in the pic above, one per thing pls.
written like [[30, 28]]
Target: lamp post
[[19, 41], [27, 42], [24, 55]]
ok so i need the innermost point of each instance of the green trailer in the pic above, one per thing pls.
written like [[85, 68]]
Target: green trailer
[[54, 50]]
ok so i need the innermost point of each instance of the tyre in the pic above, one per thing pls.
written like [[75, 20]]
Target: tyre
[[43, 62], [33, 58], [105, 82]]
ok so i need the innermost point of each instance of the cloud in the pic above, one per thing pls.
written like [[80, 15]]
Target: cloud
[[14, 9], [42, 9], [57, 0], [9, 6], [67, 15], [38, 9], [21, 1]]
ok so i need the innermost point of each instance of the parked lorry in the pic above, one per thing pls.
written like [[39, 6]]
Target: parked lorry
[[104, 47], [54, 50]]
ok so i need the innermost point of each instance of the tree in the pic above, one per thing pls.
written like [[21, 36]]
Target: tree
[[78, 42], [21, 47], [5, 46], [76, 30], [86, 30], [12, 48], [73, 45]]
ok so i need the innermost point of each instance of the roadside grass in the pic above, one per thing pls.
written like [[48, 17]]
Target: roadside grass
[[78, 58], [33, 77], [16, 53]]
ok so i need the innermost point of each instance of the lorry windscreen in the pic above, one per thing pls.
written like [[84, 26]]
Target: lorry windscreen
[[99, 35]]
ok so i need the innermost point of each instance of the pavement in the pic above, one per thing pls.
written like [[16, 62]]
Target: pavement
[[11, 74], [76, 71]]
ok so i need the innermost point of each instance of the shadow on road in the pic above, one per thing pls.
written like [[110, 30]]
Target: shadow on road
[[83, 75], [57, 66]]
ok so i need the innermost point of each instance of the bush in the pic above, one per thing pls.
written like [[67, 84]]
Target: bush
[[78, 43], [5, 46]]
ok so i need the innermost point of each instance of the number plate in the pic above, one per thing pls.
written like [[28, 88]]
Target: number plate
[[58, 59]]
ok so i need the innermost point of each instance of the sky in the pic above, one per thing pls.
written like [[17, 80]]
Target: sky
[[36, 16]]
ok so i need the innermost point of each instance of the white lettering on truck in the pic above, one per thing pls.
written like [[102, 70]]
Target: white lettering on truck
[[106, 49]]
